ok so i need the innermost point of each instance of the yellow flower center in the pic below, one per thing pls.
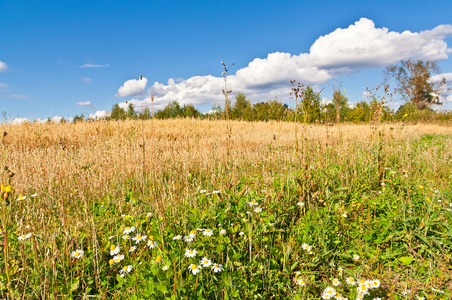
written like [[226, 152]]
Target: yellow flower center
[[151, 237], [216, 266], [138, 237], [127, 228], [192, 232], [76, 253], [110, 262], [124, 268], [113, 247], [159, 258], [194, 267], [190, 252]]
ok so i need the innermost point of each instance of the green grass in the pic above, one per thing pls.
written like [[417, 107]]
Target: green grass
[[389, 203]]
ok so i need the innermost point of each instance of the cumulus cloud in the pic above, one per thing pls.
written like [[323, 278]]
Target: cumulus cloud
[[94, 66], [132, 87], [3, 66], [99, 114], [18, 121], [339, 53], [87, 79], [439, 77], [3, 85], [84, 103]]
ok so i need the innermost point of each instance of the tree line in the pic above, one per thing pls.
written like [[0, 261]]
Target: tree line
[[414, 84]]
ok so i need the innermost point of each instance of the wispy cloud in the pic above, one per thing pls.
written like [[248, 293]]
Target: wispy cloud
[[94, 66], [84, 103], [18, 96], [3, 85], [87, 80], [3, 66], [342, 52]]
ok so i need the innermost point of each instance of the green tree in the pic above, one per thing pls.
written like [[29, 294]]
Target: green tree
[[309, 108], [414, 84], [117, 113], [131, 114], [242, 109], [360, 113]]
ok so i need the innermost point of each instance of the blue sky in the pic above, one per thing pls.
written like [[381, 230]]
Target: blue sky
[[64, 58]]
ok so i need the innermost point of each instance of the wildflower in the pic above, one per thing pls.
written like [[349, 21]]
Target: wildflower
[[21, 198], [1, 231], [300, 204], [132, 249], [25, 236], [192, 234], [125, 270], [158, 259], [195, 269], [165, 267], [222, 231], [207, 232], [377, 298], [405, 292], [375, 283], [258, 210], [205, 262], [253, 203], [350, 280], [148, 215], [126, 237], [110, 262], [129, 230], [215, 192], [188, 239], [244, 220], [336, 282], [114, 250], [77, 254], [177, 238], [328, 293], [300, 282], [34, 195], [190, 253], [368, 284], [152, 244], [344, 215], [117, 259], [248, 213], [355, 257], [363, 289], [420, 298], [139, 238], [306, 247], [217, 268], [241, 233]]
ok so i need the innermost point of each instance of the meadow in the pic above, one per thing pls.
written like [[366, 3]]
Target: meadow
[[198, 209]]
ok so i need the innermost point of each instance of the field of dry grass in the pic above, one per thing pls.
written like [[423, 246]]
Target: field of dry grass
[[74, 168]]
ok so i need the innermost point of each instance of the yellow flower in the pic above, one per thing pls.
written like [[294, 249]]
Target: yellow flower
[[6, 189], [158, 259], [110, 262]]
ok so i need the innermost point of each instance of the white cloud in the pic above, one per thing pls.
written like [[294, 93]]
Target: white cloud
[[18, 96], [56, 119], [3, 85], [99, 114], [94, 66], [339, 53], [87, 79], [18, 121], [84, 103], [132, 87], [3, 66], [439, 77]]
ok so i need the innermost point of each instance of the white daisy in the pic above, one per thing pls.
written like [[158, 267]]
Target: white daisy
[[188, 239], [300, 282], [306, 247], [195, 269], [328, 293], [190, 253], [205, 262], [152, 244], [165, 267], [300, 204], [217, 268], [336, 282], [241, 233], [253, 203], [222, 231], [34, 195], [114, 250], [177, 238], [375, 283], [148, 215], [77, 254], [126, 237], [207, 232], [192, 234], [128, 230], [117, 259], [139, 238], [350, 280], [355, 257], [258, 210], [125, 270], [21, 198], [132, 249]]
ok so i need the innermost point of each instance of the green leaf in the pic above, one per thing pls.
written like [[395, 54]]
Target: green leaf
[[406, 260]]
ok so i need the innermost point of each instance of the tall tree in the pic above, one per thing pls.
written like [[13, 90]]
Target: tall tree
[[309, 107], [414, 84]]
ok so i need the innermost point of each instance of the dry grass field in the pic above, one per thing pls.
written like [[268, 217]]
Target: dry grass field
[[91, 179]]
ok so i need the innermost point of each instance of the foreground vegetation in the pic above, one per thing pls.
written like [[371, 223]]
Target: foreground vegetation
[[179, 209]]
